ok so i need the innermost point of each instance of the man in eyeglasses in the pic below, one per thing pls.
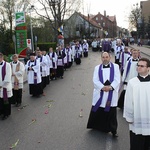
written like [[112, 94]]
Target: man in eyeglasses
[[137, 107]]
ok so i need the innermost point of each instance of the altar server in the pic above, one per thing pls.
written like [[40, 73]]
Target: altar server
[[18, 70], [85, 48], [129, 72], [34, 76], [53, 63], [137, 107]]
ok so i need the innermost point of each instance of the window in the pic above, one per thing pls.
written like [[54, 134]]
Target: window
[[101, 18], [96, 18]]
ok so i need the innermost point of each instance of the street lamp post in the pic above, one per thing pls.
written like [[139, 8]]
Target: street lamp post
[[32, 42]]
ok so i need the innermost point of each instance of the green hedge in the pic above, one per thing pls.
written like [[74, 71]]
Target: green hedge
[[46, 46]]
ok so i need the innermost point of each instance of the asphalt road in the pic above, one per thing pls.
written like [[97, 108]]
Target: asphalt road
[[53, 122]]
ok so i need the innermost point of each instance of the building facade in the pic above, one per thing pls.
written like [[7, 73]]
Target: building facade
[[145, 10], [91, 26], [80, 26], [108, 23]]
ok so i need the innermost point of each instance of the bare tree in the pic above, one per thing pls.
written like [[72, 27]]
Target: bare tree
[[8, 9], [135, 16], [7, 19], [56, 10]]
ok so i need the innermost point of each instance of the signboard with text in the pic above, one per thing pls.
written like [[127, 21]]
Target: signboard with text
[[21, 34], [29, 43]]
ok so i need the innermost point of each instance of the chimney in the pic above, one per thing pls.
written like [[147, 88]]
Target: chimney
[[105, 13]]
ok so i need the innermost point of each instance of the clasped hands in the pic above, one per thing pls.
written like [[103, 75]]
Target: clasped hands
[[107, 88]]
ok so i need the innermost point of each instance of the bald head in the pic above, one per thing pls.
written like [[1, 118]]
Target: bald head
[[105, 58], [105, 53]]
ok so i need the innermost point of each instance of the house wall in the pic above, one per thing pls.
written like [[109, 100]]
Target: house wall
[[106, 24], [145, 10], [78, 27]]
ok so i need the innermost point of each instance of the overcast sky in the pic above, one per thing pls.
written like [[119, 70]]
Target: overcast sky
[[120, 8]]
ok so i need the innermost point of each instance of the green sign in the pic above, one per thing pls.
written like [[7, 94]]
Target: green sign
[[21, 34], [20, 18]]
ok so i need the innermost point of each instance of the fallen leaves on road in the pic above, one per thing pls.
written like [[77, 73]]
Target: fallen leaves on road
[[81, 113], [83, 93], [33, 121], [50, 101], [49, 105], [23, 107], [15, 144], [46, 112]]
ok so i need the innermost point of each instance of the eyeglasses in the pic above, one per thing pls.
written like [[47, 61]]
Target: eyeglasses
[[141, 66]]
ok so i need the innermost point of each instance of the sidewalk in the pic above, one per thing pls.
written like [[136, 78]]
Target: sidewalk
[[143, 49]]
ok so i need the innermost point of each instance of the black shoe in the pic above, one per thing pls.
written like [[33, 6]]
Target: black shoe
[[115, 135], [17, 105], [4, 117]]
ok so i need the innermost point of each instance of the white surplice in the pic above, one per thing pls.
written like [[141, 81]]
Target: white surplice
[[6, 83], [53, 59], [132, 72], [137, 106], [98, 85], [30, 73], [43, 64], [19, 74]]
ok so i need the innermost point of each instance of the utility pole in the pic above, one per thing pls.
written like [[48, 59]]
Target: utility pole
[[32, 41]]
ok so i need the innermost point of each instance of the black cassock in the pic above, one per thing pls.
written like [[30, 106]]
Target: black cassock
[[102, 120], [60, 69]]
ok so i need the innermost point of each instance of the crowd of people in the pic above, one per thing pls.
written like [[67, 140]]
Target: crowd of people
[[41, 67], [124, 84]]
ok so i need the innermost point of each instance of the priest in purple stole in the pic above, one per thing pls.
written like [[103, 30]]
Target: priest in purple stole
[[34, 76], [106, 79], [60, 62], [53, 63], [5, 88], [106, 45]]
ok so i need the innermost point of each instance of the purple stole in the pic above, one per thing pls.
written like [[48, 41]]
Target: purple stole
[[5, 96], [119, 51], [35, 74], [85, 49], [41, 58], [128, 69], [68, 55], [61, 56], [122, 61], [53, 63], [77, 54], [110, 94]]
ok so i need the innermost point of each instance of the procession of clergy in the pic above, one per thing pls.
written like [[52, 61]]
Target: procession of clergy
[[40, 69], [124, 84], [43, 67]]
